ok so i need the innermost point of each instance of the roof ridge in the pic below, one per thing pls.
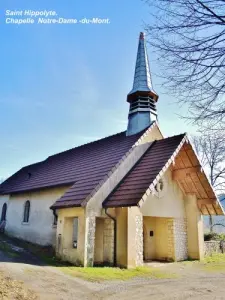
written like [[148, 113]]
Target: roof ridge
[[165, 167], [20, 170], [175, 136], [181, 139], [129, 172], [50, 156], [101, 182], [101, 139], [85, 144], [57, 164], [37, 163]]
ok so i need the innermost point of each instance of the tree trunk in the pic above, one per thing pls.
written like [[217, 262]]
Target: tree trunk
[[210, 223]]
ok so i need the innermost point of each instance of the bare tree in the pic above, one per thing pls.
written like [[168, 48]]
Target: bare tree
[[189, 37], [210, 147], [211, 150]]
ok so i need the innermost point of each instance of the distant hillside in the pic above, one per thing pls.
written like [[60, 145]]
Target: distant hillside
[[216, 219]]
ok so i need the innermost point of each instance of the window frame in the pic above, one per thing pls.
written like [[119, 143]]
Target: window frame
[[4, 211], [75, 236], [26, 212], [55, 220], [164, 185]]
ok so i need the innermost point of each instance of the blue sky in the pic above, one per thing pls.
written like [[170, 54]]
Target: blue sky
[[65, 85]]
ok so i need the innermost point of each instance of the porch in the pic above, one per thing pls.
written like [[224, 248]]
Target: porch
[[128, 239], [158, 239]]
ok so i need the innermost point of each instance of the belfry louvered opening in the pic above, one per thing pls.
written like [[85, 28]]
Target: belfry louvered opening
[[143, 103]]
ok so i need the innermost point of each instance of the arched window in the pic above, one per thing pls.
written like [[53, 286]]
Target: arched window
[[26, 212], [4, 209]]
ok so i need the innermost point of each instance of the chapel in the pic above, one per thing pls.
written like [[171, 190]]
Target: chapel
[[123, 200]]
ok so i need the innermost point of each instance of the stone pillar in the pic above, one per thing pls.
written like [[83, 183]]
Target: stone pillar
[[195, 232], [139, 240], [171, 241], [180, 239], [89, 246], [134, 238]]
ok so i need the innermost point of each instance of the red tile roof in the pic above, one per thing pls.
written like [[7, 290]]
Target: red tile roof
[[82, 168], [131, 189]]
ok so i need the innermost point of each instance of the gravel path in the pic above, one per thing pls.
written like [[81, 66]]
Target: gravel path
[[50, 283]]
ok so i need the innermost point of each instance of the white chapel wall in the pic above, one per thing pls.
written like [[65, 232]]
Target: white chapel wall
[[170, 204], [40, 228]]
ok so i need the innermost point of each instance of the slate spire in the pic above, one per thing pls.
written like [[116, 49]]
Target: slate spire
[[142, 76], [142, 97]]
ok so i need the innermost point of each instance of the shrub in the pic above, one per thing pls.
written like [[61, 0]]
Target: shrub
[[213, 236]]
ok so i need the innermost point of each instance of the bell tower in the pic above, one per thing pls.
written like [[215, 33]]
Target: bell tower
[[142, 97]]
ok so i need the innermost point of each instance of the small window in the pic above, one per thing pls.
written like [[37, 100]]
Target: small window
[[26, 214], [55, 220], [75, 232], [4, 209], [159, 186]]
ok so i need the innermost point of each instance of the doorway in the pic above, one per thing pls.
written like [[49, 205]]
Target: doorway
[[149, 247], [104, 241], [156, 238]]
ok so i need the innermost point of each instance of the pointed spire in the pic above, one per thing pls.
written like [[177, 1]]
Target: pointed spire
[[142, 97], [142, 77]]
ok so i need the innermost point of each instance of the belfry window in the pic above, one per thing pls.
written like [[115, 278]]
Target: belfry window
[[26, 213], [143, 103]]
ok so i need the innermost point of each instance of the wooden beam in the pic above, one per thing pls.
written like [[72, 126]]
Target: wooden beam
[[185, 159], [207, 209], [182, 173], [191, 186], [204, 210], [206, 201], [211, 209], [198, 185], [214, 209], [187, 146], [209, 206], [200, 208]]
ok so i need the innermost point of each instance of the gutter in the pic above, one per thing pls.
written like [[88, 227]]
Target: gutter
[[115, 233]]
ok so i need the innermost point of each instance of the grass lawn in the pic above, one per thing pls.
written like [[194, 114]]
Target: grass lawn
[[213, 263], [91, 274], [108, 273]]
